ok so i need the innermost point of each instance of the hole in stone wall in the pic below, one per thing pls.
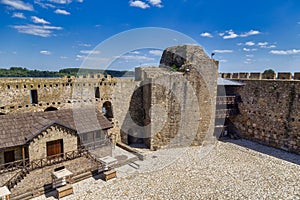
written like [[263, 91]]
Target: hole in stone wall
[[50, 109], [97, 92], [33, 97]]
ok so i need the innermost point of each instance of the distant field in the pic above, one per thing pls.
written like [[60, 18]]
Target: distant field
[[23, 72]]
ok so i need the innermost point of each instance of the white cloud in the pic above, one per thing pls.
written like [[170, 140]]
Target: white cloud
[[18, 5], [84, 45], [80, 1], [249, 43], [63, 57], [262, 43], [135, 58], [206, 34], [18, 15], [134, 52], [246, 49], [266, 45], [223, 61], [250, 55], [39, 20], [156, 52], [45, 52], [44, 5], [285, 52], [139, 4], [251, 32], [60, 1], [91, 58], [43, 31], [80, 57], [230, 34], [90, 52], [156, 3], [223, 51], [62, 12], [298, 22]]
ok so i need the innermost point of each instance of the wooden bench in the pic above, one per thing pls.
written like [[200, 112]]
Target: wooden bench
[[110, 174], [64, 191]]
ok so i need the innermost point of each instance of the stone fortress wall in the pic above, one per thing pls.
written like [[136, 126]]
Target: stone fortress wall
[[270, 112], [38, 94]]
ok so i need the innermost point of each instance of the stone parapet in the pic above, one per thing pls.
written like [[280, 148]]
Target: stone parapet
[[259, 75]]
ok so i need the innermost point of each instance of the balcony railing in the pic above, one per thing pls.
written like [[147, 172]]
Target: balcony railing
[[226, 100], [26, 166], [223, 113]]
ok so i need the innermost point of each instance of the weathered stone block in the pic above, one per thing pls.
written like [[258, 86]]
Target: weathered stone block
[[284, 75]]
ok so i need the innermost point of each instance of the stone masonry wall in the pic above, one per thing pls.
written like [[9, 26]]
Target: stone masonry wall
[[38, 148], [179, 106], [15, 93], [270, 113]]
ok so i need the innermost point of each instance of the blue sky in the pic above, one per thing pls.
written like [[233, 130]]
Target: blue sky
[[245, 35]]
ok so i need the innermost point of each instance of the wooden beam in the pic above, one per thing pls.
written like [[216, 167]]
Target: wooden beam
[[23, 155]]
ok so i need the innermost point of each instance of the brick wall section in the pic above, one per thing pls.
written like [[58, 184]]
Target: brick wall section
[[38, 148], [270, 113]]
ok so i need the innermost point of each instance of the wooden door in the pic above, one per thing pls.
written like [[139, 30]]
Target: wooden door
[[9, 156], [54, 147]]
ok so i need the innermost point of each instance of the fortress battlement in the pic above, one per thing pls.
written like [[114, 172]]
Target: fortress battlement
[[260, 76]]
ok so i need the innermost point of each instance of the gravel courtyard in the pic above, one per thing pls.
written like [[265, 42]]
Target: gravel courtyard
[[232, 169]]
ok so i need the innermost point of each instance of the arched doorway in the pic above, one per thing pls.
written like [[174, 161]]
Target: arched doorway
[[107, 110], [50, 109]]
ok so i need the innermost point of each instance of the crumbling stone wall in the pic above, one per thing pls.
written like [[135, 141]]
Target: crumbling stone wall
[[38, 146], [169, 98], [270, 113]]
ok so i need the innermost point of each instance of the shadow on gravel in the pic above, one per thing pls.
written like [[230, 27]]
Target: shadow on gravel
[[271, 151]]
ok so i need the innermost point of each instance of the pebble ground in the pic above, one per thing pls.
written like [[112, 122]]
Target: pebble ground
[[229, 170]]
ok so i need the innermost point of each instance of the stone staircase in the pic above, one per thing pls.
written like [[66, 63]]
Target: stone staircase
[[39, 181]]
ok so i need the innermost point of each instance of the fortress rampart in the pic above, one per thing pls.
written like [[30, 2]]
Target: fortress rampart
[[38, 94], [270, 112], [259, 76]]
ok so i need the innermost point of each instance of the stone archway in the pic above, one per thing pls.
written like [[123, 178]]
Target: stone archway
[[107, 110]]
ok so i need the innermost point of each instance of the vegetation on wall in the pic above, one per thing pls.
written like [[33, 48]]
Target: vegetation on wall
[[23, 72], [269, 71]]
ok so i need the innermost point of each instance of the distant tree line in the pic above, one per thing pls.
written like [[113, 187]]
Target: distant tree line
[[23, 72]]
